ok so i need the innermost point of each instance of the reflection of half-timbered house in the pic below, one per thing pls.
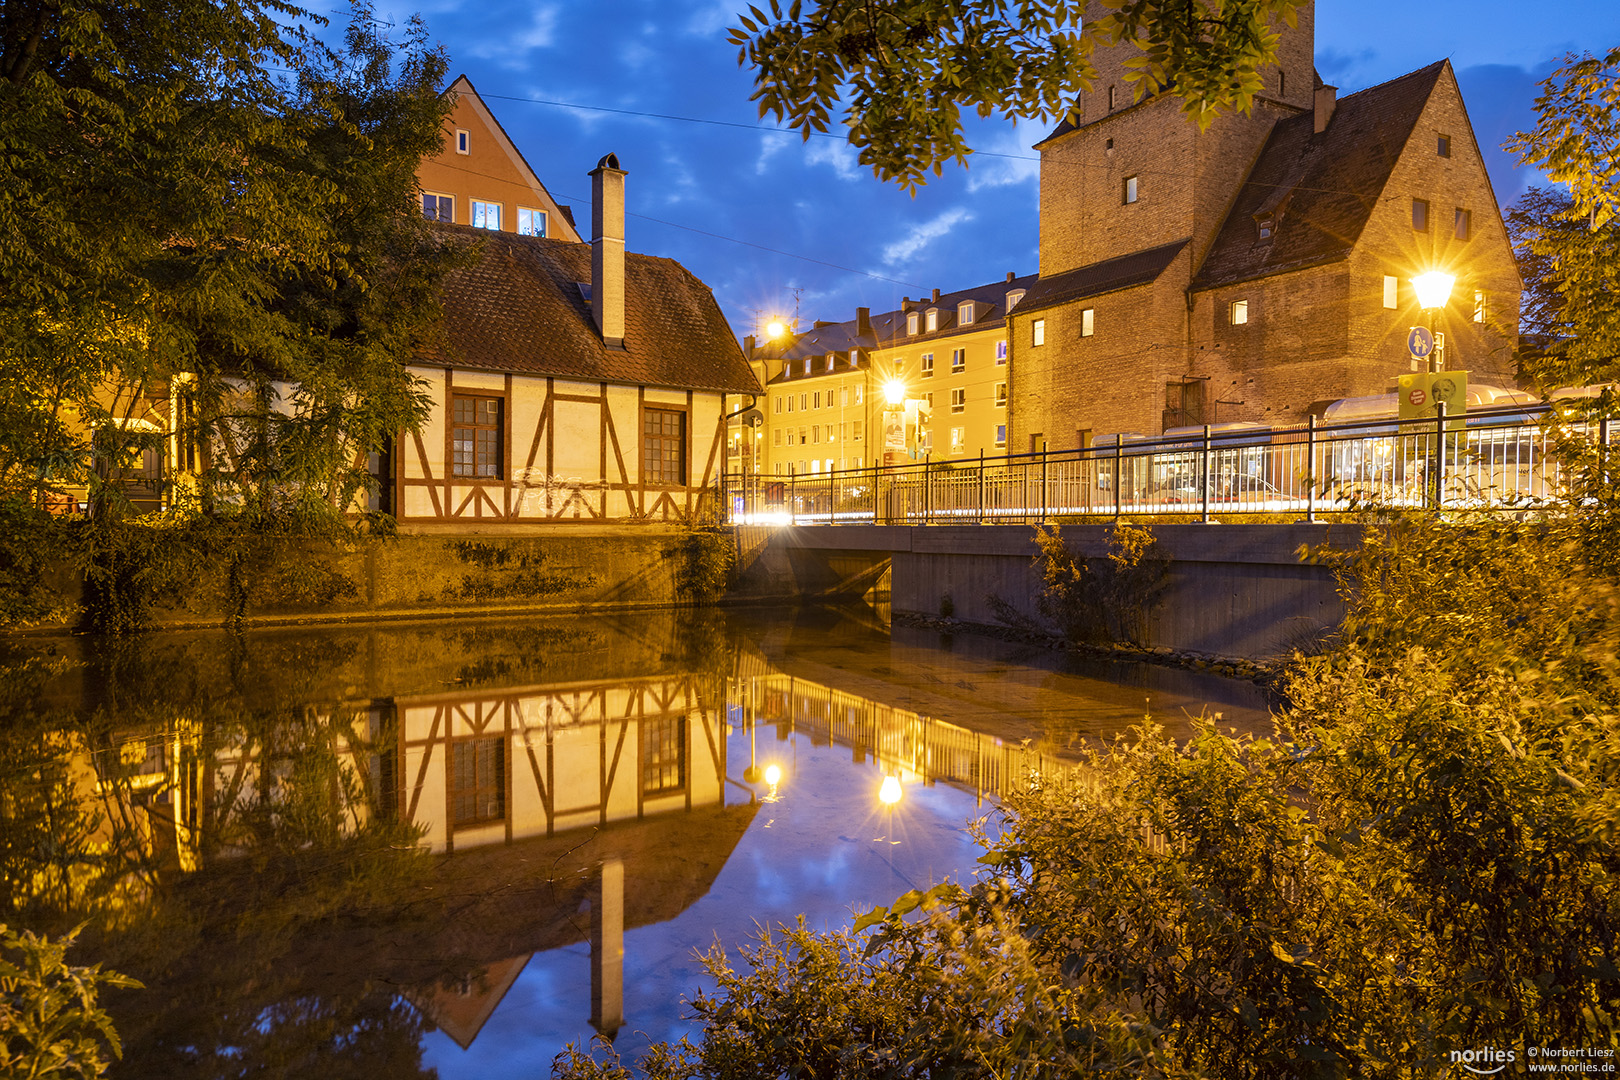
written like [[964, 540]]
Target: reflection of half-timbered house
[[573, 382]]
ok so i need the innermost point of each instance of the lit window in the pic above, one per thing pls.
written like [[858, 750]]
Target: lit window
[[1479, 305], [928, 365], [1444, 146], [1013, 298], [1037, 332], [663, 755], [858, 394], [439, 207], [964, 313], [1240, 312], [663, 447], [463, 142], [1001, 434], [959, 399], [807, 362], [1390, 299], [1130, 190], [1420, 215], [911, 322], [933, 319], [1001, 395], [958, 361], [531, 222], [958, 438], [1088, 321], [1463, 224], [856, 436], [475, 436], [486, 215], [1001, 352], [804, 440], [830, 358]]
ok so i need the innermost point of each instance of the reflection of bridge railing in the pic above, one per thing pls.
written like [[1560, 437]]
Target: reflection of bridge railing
[[1484, 458], [902, 742]]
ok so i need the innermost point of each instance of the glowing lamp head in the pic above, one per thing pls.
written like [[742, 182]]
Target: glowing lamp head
[[773, 775], [775, 329], [894, 392], [1433, 289], [890, 792]]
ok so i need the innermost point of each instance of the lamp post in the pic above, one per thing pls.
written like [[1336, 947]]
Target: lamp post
[[894, 422], [1433, 290]]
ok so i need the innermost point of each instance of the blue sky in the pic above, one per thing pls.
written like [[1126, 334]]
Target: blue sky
[[696, 190]]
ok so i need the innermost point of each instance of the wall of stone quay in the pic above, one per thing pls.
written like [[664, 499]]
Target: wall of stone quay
[[464, 572], [1232, 590]]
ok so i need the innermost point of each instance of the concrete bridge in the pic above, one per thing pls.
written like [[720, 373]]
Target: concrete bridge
[[1231, 590]]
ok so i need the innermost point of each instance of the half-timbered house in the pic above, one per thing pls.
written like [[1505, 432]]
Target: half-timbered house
[[573, 383]]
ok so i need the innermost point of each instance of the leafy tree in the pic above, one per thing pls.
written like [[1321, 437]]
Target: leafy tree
[[52, 1026], [903, 70], [1572, 240]]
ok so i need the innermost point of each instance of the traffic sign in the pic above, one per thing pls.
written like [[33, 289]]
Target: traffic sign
[[1420, 342]]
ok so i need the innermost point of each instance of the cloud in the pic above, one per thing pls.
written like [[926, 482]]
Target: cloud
[[713, 19], [1013, 163], [1334, 63], [510, 49], [770, 145], [840, 155], [920, 236]]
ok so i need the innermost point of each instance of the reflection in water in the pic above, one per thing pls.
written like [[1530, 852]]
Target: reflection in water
[[319, 848]]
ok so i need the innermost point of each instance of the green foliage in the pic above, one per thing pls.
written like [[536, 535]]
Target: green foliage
[[903, 71], [1573, 240], [51, 1021], [705, 563], [1095, 600]]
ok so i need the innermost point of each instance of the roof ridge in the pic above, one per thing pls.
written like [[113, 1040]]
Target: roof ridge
[[1434, 66]]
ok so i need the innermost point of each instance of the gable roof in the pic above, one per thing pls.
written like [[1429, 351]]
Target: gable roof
[[463, 90], [1110, 275], [517, 307], [1321, 187]]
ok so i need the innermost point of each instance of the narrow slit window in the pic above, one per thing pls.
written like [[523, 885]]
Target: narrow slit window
[[1420, 215], [1037, 332], [1088, 322], [1443, 147], [1391, 299], [1464, 224], [463, 142], [1129, 192]]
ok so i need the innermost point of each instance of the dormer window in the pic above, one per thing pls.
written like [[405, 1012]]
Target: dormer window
[[933, 319], [830, 357], [807, 362], [964, 313], [1267, 225], [1013, 298], [911, 322]]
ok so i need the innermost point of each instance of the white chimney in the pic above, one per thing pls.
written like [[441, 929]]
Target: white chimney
[[1326, 102], [607, 250]]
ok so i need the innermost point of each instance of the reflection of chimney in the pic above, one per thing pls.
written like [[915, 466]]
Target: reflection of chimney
[[607, 949], [607, 250], [1327, 99], [863, 321]]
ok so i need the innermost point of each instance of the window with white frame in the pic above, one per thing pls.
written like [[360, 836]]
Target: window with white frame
[[1037, 332], [816, 400], [790, 402], [1479, 305], [911, 322], [958, 361], [855, 435], [778, 405], [1240, 312], [486, 215], [830, 358], [463, 141], [959, 399], [858, 395], [958, 439], [439, 207], [777, 437], [1391, 292], [928, 401], [1001, 435], [1088, 321], [1128, 191], [1001, 352], [531, 222], [964, 313], [928, 365], [933, 319], [1001, 395], [807, 362]]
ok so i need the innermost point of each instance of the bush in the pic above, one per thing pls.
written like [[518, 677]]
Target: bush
[[51, 1021]]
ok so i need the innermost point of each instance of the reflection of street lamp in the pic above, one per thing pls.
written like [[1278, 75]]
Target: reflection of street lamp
[[1433, 290], [890, 792]]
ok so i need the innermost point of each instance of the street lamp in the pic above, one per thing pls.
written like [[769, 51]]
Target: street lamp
[[1433, 290], [889, 793], [894, 392], [775, 329]]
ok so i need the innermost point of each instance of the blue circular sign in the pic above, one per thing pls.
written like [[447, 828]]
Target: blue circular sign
[[1420, 342]]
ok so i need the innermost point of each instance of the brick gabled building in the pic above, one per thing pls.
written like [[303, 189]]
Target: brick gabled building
[[1261, 268]]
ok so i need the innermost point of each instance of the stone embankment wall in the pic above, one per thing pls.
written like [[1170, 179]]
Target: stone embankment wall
[[1231, 590]]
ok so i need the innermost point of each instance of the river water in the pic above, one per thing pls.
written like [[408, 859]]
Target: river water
[[455, 847]]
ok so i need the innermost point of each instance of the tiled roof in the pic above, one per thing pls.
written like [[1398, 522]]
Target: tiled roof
[[1321, 187], [518, 308], [1137, 268], [889, 328]]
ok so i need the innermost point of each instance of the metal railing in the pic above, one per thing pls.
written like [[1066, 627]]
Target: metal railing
[[1481, 459]]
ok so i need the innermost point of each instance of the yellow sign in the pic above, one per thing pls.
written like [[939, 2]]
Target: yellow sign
[[1421, 393]]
